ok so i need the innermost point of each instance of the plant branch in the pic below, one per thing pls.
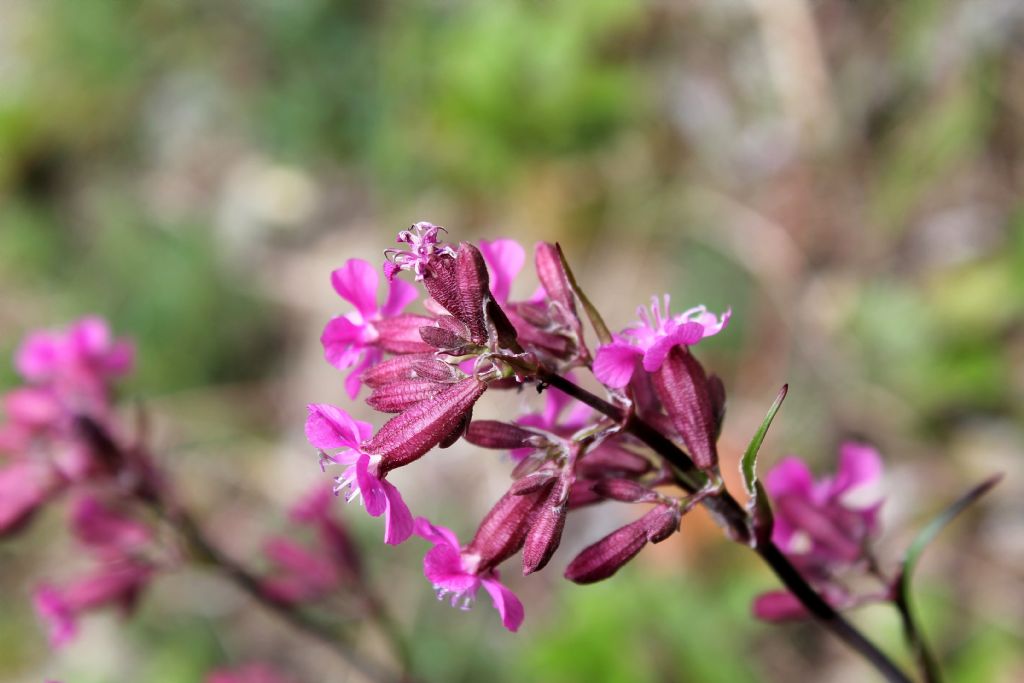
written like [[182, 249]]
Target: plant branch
[[735, 520]]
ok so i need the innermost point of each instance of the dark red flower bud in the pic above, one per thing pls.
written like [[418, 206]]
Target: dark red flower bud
[[607, 556], [552, 276], [625, 490], [582, 494], [401, 334], [533, 482], [546, 531], [395, 369], [398, 396], [612, 460], [435, 370], [407, 436], [497, 434], [443, 339], [684, 390], [503, 531]]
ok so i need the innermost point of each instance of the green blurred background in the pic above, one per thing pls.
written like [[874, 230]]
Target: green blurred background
[[848, 176]]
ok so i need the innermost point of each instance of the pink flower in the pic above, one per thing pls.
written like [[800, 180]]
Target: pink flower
[[300, 574], [330, 428], [355, 340], [460, 574], [24, 486], [423, 246], [81, 360], [249, 673], [505, 258], [118, 583], [103, 527], [826, 523], [651, 338]]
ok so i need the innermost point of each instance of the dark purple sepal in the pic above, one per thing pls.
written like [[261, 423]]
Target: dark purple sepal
[[602, 559], [683, 388], [546, 531], [435, 370], [624, 490], [401, 334], [612, 460], [458, 431], [533, 482], [499, 435], [398, 396], [443, 339], [503, 530], [552, 276], [407, 436], [395, 369]]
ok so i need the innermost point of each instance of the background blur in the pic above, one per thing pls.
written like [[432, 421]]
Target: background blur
[[848, 176]]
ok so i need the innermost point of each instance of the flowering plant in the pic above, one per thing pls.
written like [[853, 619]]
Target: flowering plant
[[649, 436]]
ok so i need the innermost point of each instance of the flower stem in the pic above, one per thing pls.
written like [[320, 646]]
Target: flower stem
[[735, 520], [925, 657]]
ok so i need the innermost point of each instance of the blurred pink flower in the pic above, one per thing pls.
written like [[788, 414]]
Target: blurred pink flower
[[505, 258], [80, 360], [826, 522], [248, 673], [651, 338], [117, 583]]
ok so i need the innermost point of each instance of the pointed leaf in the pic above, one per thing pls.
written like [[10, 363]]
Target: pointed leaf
[[929, 532], [749, 463]]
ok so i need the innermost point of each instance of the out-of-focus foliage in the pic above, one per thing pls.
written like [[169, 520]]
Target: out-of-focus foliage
[[846, 175]]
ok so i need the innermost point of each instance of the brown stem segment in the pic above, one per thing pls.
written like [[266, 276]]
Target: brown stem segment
[[735, 520], [251, 585]]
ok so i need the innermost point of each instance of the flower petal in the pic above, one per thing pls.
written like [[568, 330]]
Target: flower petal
[[505, 258], [860, 465], [400, 295], [685, 334], [342, 342], [507, 604], [398, 524], [328, 426], [436, 534], [614, 363], [356, 282], [371, 488], [442, 565]]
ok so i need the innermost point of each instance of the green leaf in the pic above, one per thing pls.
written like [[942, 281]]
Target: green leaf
[[748, 466], [929, 532]]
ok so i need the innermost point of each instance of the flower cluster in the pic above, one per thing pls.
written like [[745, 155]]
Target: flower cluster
[[430, 369], [61, 438], [825, 528]]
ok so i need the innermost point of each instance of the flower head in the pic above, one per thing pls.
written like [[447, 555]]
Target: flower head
[[329, 428], [651, 338], [461, 573], [117, 583], [424, 244], [826, 523], [358, 338]]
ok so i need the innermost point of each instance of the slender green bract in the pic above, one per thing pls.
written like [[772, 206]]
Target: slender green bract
[[929, 532], [748, 466]]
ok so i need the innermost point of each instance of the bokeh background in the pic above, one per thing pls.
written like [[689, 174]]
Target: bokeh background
[[848, 176]]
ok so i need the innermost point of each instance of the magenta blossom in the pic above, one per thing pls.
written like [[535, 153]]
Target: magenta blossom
[[79, 361], [505, 258], [423, 246], [249, 673], [353, 340], [118, 584], [651, 338], [330, 428], [460, 574], [826, 523]]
